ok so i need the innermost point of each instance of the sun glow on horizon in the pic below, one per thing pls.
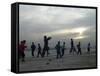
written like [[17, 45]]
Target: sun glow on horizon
[[79, 31], [80, 37]]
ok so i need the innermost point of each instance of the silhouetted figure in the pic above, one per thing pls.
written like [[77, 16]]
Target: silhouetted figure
[[58, 48], [33, 48], [79, 48], [88, 48], [46, 47], [21, 50], [63, 48], [72, 49], [39, 50]]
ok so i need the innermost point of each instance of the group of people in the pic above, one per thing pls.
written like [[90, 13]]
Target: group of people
[[45, 48], [59, 49], [78, 51], [73, 49], [41, 52]]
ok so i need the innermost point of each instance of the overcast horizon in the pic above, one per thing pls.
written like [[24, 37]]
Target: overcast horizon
[[60, 23]]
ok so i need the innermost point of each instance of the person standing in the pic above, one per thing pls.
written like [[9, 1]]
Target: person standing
[[58, 48], [79, 48], [39, 50], [46, 47], [21, 50], [72, 49], [33, 48], [88, 48], [63, 49]]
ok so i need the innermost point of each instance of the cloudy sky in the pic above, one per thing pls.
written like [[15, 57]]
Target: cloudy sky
[[61, 23]]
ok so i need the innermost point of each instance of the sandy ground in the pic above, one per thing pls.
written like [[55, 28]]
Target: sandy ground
[[68, 61]]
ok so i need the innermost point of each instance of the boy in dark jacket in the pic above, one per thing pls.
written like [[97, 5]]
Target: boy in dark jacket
[[63, 49], [79, 48], [33, 48], [58, 50], [39, 50]]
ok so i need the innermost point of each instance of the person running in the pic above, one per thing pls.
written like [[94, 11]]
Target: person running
[[58, 48], [22, 49], [39, 50], [79, 48], [63, 49], [33, 48], [88, 48], [72, 49], [46, 47]]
